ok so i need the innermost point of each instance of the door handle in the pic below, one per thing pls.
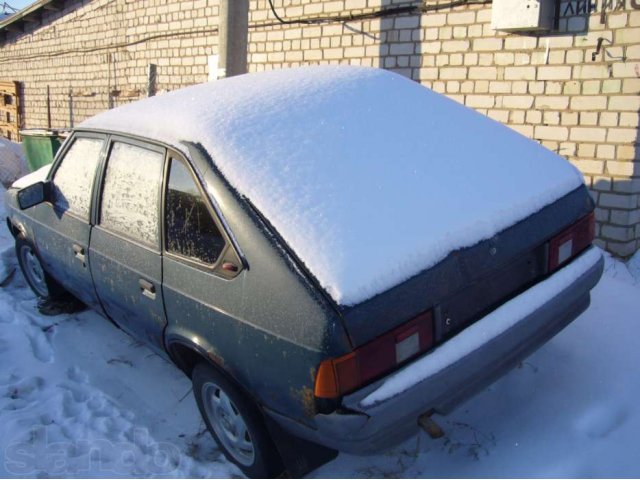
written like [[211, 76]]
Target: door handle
[[78, 252], [147, 288]]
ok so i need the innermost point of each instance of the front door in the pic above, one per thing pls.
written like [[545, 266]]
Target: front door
[[62, 228], [125, 244]]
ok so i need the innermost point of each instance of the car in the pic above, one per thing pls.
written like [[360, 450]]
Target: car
[[331, 254]]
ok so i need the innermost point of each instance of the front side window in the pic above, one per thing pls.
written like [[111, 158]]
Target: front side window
[[73, 179], [190, 229], [131, 192]]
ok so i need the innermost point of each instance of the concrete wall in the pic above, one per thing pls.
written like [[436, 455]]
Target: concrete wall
[[553, 88]]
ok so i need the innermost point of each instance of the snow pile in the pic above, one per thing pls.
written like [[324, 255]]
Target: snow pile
[[628, 273], [634, 266], [485, 329], [13, 164], [7, 257], [78, 399], [369, 177]]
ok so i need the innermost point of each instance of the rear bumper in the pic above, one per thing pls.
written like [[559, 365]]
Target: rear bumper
[[385, 412]]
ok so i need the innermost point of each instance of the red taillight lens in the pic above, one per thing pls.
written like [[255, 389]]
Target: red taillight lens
[[572, 241], [338, 376]]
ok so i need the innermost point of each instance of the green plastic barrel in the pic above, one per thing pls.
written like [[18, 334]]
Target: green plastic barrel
[[40, 146]]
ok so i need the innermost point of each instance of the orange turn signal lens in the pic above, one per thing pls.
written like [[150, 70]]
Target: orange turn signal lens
[[326, 386]]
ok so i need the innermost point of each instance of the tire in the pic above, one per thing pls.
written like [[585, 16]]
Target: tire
[[227, 412], [40, 282]]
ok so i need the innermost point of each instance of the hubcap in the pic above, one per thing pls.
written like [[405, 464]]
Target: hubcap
[[228, 424], [33, 271]]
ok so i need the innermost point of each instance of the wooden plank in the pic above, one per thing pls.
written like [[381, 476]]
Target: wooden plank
[[10, 133], [9, 88], [9, 128], [8, 85], [10, 121], [10, 109]]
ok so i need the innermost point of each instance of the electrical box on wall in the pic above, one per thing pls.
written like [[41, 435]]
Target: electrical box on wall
[[523, 15]]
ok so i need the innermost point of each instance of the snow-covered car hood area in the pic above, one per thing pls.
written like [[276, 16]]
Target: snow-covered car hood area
[[369, 177]]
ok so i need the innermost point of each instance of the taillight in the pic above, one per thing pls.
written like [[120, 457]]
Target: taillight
[[338, 376], [572, 241]]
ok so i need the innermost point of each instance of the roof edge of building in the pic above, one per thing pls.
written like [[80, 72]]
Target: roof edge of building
[[30, 12]]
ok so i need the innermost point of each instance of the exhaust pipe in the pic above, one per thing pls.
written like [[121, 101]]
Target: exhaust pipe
[[429, 425]]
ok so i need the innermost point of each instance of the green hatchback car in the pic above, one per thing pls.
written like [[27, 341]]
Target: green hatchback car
[[331, 254]]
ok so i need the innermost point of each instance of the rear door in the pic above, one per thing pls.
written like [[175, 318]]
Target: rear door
[[125, 244], [199, 259], [62, 227]]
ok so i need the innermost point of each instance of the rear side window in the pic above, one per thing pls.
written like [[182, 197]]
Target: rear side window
[[131, 192], [73, 179], [190, 229]]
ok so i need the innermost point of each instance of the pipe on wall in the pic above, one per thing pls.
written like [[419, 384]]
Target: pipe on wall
[[233, 33]]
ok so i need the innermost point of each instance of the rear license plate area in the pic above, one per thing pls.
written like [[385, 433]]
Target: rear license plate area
[[485, 294]]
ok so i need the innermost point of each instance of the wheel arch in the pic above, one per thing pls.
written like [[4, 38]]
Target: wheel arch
[[186, 353], [16, 229]]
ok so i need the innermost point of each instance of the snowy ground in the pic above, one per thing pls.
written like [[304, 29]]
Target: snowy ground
[[79, 398], [12, 162]]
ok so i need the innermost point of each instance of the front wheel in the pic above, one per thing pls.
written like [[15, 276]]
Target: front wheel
[[42, 284], [235, 423]]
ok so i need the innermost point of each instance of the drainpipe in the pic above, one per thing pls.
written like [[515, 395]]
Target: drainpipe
[[233, 33]]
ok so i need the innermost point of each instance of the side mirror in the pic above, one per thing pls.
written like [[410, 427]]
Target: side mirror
[[33, 195]]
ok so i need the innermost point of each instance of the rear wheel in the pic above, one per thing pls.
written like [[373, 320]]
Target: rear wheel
[[235, 423], [42, 284]]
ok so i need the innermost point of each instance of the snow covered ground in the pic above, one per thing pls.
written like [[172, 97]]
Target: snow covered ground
[[12, 162], [79, 398]]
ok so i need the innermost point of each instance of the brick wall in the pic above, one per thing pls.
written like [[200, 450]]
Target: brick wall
[[89, 56], [556, 88]]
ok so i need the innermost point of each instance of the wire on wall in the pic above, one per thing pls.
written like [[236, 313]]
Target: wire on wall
[[420, 8], [384, 12], [148, 38]]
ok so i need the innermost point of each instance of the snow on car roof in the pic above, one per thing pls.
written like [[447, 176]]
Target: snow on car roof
[[369, 177]]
